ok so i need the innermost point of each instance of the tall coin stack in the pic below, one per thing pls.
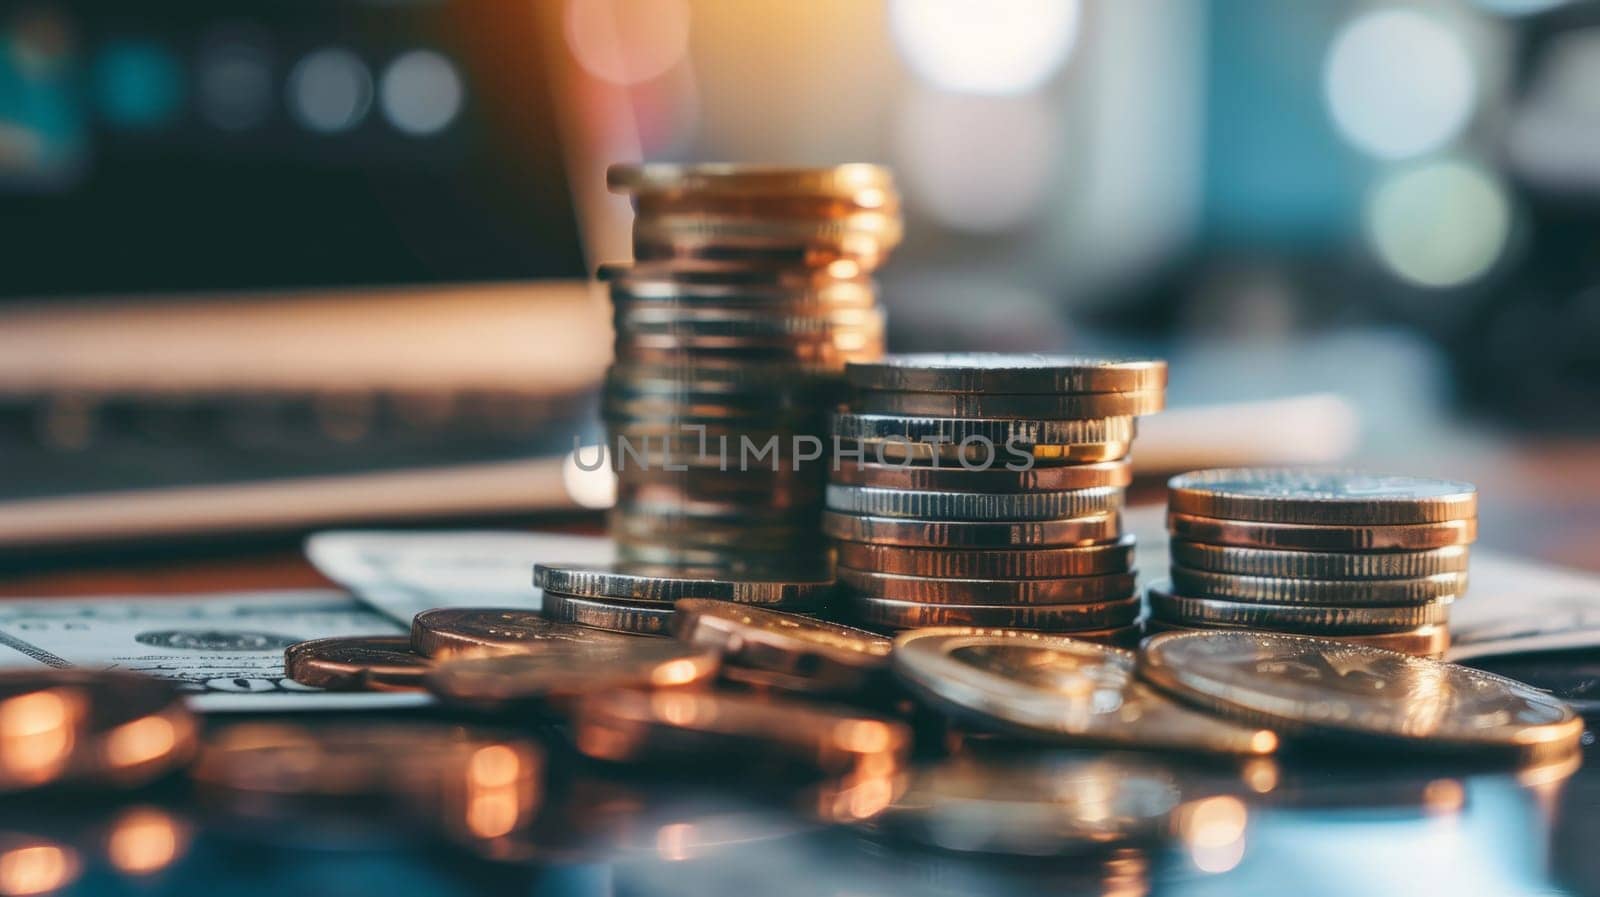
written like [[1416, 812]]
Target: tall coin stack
[[986, 490], [1351, 556], [751, 289]]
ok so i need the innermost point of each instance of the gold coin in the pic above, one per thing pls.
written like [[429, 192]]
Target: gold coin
[[655, 205], [609, 614], [571, 670], [1310, 537], [885, 613], [1281, 590], [998, 479], [701, 274], [1318, 564], [1320, 497], [639, 726], [827, 655], [870, 232], [972, 534], [1312, 687], [1432, 640], [1060, 689], [1004, 563], [356, 663], [850, 180], [448, 633], [999, 592], [1059, 406], [1034, 804], [1312, 619], [993, 372]]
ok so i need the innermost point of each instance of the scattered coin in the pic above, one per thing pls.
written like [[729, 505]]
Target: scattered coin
[[988, 372], [639, 726], [1009, 592], [1002, 563], [872, 502], [1313, 619], [1046, 406], [1318, 564], [359, 663], [1310, 687], [1285, 590], [667, 584], [889, 614], [569, 671], [826, 655], [1058, 688], [995, 479], [968, 534], [607, 614], [1309, 537], [1321, 497], [447, 633]]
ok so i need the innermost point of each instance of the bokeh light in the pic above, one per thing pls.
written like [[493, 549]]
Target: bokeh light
[[957, 168], [330, 90], [1442, 224], [421, 93], [587, 475], [997, 47], [627, 41], [139, 84], [235, 79], [1399, 83]]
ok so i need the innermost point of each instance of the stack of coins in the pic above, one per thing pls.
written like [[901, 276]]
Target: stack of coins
[[1351, 556], [751, 288], [986, 490], [638, 599]]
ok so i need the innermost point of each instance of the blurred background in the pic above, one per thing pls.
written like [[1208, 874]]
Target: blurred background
[[271, 265]]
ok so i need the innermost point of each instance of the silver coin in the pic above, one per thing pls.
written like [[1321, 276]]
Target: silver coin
[[966, 534], [608, 614], [892, 614], [668, 584], [1319, 564], [1324, 497], [979, 372], [1417, 590], [977, 506], [871, 428], [1309, 619]]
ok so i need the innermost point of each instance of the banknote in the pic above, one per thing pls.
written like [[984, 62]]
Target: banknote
[[403, 573], [225, 650]]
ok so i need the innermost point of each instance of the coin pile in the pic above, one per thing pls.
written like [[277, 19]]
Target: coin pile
[[1357, 557], [751, 288], [986, 490]]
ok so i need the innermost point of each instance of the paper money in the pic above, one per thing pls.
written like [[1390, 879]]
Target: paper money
[[402, 574], [225, 649]]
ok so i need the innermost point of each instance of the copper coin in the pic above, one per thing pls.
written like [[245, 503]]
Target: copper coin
[[936, 590], [1315, 496], [1002, 563], [1310, 537], [725, 179], [1058, 688], [90, 728], [1046, 406], [1424, 641], [1054, 617], [637, 726], [448, 633], [828, 656], [570, 670], [972, 534], [359, 663], [998, 479]]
